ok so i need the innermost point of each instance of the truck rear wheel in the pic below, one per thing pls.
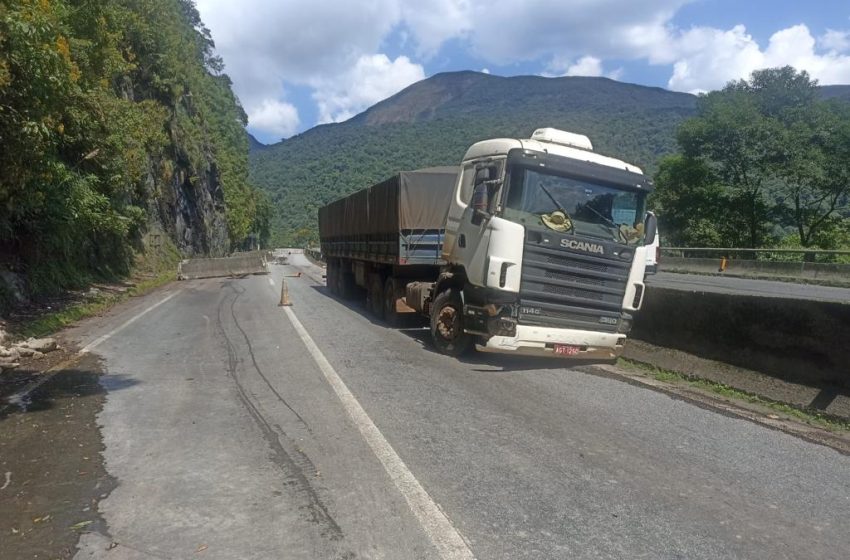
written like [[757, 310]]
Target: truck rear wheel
[[391, 316], [376, 296], [330, 276], [447, 324], [346, 284]]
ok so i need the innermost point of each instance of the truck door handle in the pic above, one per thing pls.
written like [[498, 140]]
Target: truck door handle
[[462, 241]]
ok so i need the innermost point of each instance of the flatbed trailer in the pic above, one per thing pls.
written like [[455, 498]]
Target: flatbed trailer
[[380, 238]]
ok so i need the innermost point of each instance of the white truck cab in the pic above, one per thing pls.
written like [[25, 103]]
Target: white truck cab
[[545, 248]]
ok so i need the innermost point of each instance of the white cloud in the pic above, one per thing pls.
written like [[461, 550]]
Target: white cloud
[[435, 21], [334, 47], [274, 118], [616, 74], [506, 31], [371, 79], [266, 42], [706, 58], [585, 66], [837, 41]]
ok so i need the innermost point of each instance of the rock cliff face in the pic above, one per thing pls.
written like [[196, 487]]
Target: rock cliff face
[[189, 208]]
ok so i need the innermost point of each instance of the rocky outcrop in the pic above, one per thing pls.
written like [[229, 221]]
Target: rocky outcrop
[[190, 210]]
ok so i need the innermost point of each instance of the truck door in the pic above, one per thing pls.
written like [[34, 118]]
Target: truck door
[[467, 234]]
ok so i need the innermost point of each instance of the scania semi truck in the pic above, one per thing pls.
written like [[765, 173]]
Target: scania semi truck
[[531, 246]]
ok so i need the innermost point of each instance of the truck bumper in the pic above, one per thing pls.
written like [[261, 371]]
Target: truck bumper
[[540, 341]]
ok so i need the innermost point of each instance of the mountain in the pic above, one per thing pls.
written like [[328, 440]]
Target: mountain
[[254, 144], [434, 121], [836, 92]]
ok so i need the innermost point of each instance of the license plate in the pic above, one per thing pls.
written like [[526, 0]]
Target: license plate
[[567, 350]]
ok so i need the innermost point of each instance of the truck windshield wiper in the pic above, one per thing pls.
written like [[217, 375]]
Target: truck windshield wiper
[[608, 221]]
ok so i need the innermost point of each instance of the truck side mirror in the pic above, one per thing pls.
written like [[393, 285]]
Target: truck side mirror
[[481, 194], [651, 228]]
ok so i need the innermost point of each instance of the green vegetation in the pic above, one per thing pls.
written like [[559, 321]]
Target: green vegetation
[[765, 162], [808, 416], [152, 268], [52, 322], [115, 120], [435, 121]]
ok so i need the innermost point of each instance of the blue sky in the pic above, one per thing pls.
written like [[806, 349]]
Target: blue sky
[[297, 63]]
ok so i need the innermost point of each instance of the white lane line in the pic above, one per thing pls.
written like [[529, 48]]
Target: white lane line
[[101, 339], [271, 281], [20, 398], [436, 524]]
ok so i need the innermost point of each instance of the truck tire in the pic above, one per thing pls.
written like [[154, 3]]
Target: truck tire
[[447, 324], [391, 316], [346, 284], [330, 276], [375, 296]]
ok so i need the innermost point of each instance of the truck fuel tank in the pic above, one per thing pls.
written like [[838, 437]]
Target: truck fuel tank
[[417, 294]]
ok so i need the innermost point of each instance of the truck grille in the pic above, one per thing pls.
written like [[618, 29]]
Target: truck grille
[[572, 289]]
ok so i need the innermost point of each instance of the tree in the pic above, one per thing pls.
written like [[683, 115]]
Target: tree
[[814, 177], [690, 203], [778, 153], [733, 140]]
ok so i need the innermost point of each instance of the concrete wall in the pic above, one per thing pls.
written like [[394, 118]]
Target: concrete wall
[[826, 272], [239, 264], [801, 341]]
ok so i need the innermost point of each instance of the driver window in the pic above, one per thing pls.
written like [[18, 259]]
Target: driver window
[[467, 183]]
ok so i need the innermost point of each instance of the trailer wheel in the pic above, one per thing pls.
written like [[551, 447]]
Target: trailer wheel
[[447, 324], [376, 296], [346, 284], [391, 316], [330, 277]]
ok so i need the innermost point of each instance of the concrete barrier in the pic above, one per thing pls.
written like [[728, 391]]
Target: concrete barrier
[[315, 254], [238, 264], [796, 340], [823, 272]]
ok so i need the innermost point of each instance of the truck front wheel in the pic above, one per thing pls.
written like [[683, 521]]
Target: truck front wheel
[[447, 324]]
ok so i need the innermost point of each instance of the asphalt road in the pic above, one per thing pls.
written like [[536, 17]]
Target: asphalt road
[[234, 428], [748, 286]]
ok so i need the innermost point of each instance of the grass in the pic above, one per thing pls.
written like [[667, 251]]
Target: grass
[[814, 418], [57, 320], [153, 268]]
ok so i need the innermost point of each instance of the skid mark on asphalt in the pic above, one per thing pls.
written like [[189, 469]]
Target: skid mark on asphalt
[[287, 455], [448, 541], [254, 359]]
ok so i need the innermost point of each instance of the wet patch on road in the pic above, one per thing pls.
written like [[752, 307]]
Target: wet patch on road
[[52, 474]]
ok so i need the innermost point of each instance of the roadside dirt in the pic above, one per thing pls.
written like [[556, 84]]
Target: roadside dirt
[[51, 467]]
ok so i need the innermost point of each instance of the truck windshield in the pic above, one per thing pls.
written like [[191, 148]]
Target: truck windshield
[[542, 200]]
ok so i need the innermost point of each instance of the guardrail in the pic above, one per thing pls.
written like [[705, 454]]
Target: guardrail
[[314, 253], [827, 266]]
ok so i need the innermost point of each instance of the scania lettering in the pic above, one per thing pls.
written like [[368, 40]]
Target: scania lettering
[[531, 246], [582, 246]]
